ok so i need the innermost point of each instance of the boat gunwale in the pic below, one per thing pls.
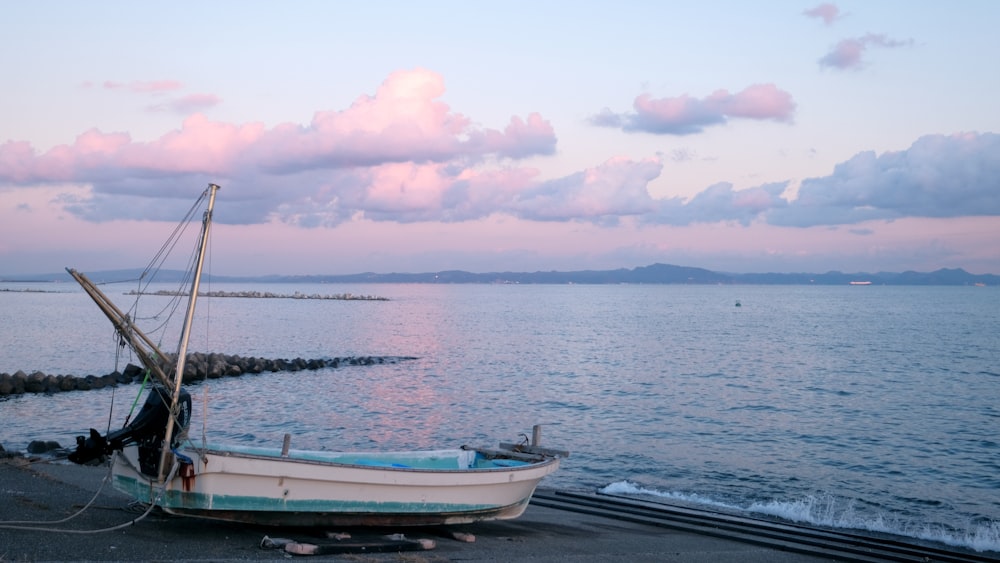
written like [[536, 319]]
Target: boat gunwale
[[542, 461]]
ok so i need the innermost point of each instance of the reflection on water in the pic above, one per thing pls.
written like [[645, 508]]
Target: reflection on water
[[854, 393]]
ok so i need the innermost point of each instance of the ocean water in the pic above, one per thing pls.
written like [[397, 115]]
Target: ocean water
[[867, 408]]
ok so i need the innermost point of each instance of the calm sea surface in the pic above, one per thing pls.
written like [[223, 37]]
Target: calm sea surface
[[874, 408]]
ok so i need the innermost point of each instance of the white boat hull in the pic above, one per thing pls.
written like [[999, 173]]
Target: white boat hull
[[325, 488]]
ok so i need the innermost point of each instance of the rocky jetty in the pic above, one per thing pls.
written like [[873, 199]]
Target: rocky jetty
[[199, 366], [265, 295]]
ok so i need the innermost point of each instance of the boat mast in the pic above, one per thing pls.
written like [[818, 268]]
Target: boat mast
[[136, 339], [186, 331]]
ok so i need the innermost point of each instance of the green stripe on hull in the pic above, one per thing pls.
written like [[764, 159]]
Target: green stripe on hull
[[199, 501]]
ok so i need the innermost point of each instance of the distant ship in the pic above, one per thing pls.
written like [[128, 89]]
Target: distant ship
[[861, 283]]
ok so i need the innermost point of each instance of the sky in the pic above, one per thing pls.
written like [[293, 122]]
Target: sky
[[385, 136]]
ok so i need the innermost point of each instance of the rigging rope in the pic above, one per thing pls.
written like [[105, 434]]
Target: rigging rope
[[156, 263], [22, 524], [161, 255], [104, 481], [147, 277]]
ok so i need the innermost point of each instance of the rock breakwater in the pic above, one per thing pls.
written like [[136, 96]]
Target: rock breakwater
[[266, 295], [199, 366]]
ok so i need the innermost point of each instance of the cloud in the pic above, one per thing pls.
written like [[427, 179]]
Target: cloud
[[938, 176], [148, 87], [403, 122], [401, 140], [720, 203], [183, 105], [398, 192], [685, 115], [827, 12], [402, 155], [409, 192], [683, 154], [187, 105], [848, 53], [615, 189]]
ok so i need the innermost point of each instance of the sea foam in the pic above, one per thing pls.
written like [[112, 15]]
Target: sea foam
[[831, 511]]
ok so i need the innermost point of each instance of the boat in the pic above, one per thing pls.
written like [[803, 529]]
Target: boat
[[153, 459], [860, 282]]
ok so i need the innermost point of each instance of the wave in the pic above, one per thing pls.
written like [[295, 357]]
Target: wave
[[831, 511]]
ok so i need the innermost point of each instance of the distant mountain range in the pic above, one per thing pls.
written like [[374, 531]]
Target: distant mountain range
[[652, 274]]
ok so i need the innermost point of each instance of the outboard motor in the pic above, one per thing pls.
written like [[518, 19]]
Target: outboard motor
[[147, 431]]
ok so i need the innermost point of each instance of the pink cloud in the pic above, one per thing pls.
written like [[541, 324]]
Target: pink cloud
[[848, 53], [406, 193], [403, 122], [521, 138], [605, 193], [187, 105], [405, 187], [760, 101], [200, 145], [183, 105], [827, 12], [95, 142], [441, 192], [92, 150], [17, 162], [684, 115], [149, 87], [720, 203], [937, 177], [404, 97]]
